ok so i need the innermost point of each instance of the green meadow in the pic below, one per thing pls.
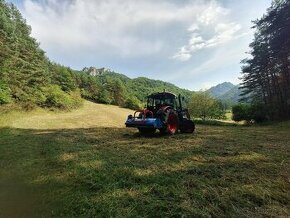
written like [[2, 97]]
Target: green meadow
[[84, 163]]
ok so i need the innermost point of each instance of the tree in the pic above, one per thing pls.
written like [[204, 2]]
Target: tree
[[203, 106], [5, 96], [266, 75], [64, 77], [248, 112], [132, 103]]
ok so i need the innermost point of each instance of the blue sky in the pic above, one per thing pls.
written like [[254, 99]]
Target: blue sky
[[194, 44]]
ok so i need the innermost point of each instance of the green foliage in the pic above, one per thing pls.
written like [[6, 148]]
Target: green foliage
[[64, 77], [249, 112], [104, 97], [114, 88], [132, 103], [56, 98], [5, 95], [266, 77], [203, 106], [241, 112], [117, 91]]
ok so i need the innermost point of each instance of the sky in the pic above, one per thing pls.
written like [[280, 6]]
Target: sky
[[193, 44]]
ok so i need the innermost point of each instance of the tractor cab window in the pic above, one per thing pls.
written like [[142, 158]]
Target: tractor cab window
[[150, 102], [159, 102], [170, 102]]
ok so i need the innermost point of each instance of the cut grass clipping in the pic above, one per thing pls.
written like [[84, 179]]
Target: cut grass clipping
[[85, 164]]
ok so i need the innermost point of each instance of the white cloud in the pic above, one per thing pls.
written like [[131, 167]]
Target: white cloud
[[211, 13], [128, 28], [209, 29]]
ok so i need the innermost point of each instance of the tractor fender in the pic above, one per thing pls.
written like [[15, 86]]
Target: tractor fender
[[170, 119], [163, 113]]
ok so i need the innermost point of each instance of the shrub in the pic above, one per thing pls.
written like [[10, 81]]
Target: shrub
[[248, 112], [56, 98], [241, 112], [132, 103], [5, 96]]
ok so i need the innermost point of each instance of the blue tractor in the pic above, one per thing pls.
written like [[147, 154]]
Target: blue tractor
[[163, 112]]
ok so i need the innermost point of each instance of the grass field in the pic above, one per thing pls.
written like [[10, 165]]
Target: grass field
[[86, 164]]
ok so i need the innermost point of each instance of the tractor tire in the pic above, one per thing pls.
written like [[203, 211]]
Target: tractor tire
[[146, 131], [187, 126], [172, 123]]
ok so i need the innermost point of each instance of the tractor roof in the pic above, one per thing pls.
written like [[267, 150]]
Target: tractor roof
[[162, 95]]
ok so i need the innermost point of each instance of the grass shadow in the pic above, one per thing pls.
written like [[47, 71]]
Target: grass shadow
[[109, 172]]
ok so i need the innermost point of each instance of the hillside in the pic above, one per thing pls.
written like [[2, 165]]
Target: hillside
[[138, 87], [86, 164], [88, 116]]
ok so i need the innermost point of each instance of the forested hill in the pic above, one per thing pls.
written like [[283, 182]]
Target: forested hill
[[138, 87], [29, 78]]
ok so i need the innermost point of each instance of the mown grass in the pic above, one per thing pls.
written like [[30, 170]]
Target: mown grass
[[220, 171], [90, 115]]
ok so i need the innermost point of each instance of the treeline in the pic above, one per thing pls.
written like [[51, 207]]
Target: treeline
[[266, 75], [203, 105], [26, 76], [29, 79]]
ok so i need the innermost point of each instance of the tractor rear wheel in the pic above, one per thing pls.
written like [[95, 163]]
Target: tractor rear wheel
[[187, 126], [172, 123]]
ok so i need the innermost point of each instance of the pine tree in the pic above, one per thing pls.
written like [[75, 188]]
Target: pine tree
[[266, 75]]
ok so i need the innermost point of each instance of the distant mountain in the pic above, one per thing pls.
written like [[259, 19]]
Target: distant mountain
[[225, 91], [232, 95], [220, 89]]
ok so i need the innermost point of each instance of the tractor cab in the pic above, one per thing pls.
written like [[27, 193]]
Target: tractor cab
[[159, 100]]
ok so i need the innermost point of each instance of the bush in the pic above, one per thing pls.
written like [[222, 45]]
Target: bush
[[248, 112], [5, 96], [241, 112], [132, 103], [56, 98]]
